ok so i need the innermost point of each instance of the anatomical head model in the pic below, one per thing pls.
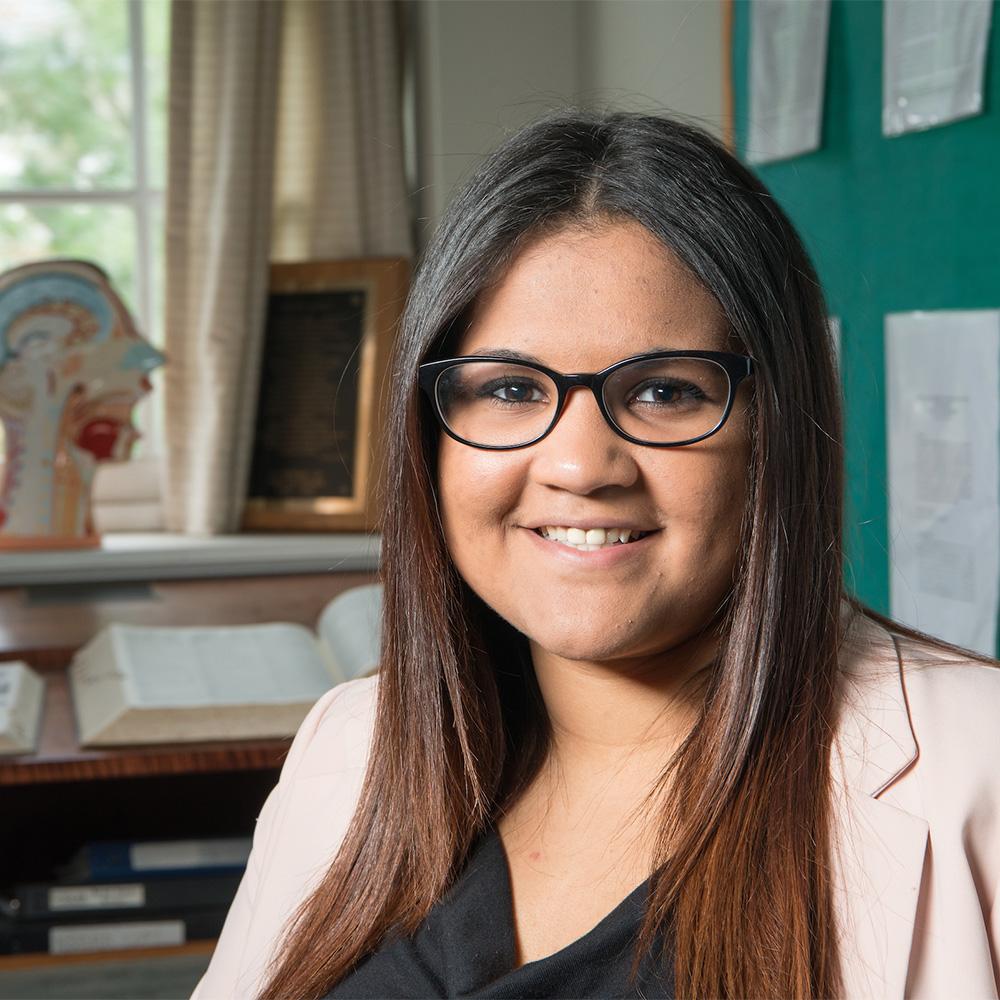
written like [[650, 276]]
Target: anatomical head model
[[72, 367]]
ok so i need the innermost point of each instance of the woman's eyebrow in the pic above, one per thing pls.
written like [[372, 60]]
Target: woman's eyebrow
[[506, 352]]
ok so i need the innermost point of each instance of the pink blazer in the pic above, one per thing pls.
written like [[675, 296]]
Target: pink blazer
[[916, 768]]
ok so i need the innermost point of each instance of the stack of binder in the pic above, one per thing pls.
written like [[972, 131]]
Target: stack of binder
[[122, 895]]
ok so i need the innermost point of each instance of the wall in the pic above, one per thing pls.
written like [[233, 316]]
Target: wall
[[892, 225], [664, 55], [482, 68], [486, 66]]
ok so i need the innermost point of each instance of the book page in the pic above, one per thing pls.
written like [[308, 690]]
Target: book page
[[272, 663], [8, 693], [21, 697], [350, 627]]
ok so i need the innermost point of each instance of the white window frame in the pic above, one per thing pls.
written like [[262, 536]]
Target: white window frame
[[127, 495]]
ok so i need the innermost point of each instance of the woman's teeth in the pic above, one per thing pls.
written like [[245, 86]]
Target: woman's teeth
[[591, 539]]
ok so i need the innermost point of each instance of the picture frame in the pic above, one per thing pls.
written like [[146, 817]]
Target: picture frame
[[328, 333]]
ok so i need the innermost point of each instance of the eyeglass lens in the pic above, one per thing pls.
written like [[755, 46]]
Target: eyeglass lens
[[661, 401]]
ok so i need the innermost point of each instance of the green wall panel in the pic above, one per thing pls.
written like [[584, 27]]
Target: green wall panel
[[892, 225]]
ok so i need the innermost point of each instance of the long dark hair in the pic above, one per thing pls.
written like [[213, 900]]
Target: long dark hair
[[741, 881]]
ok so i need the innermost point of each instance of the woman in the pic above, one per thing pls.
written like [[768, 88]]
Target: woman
[[672, 759]]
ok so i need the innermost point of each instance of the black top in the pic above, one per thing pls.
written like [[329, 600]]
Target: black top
[[465, 948]]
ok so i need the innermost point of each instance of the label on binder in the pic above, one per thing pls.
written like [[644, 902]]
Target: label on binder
[[110, 937], [222, 852], [96, 897]]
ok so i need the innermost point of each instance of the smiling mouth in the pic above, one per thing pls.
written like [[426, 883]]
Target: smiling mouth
[[592, 539]]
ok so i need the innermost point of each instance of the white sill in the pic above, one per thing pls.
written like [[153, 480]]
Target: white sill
[[164, 556]]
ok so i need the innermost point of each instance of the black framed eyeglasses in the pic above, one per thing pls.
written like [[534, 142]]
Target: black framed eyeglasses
[[665, 399]]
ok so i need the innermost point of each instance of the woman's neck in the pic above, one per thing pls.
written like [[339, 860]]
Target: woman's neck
[[590, 814], [626, 715]]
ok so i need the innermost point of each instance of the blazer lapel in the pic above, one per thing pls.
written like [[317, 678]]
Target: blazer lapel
[[878, 848]]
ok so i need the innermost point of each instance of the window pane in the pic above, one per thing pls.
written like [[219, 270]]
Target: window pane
[[148, 415], [156, 45], [104, 234], [65, 97], [158, 266]]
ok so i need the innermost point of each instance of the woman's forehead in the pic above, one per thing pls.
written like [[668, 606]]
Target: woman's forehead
[[612, 289]]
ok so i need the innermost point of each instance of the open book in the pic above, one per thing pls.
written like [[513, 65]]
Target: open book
[[135, 684]]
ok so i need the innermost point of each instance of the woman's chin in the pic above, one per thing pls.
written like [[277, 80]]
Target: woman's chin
[[585, 645]]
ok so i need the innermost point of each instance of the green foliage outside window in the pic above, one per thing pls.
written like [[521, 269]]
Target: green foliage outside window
[[67, 126], [66, 122]]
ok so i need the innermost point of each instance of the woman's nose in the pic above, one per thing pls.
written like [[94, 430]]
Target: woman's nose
[[582, 453]]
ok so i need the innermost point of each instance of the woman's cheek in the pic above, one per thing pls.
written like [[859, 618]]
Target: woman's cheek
[[477, 488]]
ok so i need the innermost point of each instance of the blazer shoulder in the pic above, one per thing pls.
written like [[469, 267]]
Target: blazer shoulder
[[915, 714], [299, 831], [336, 734], [953, 700], [879, 657]]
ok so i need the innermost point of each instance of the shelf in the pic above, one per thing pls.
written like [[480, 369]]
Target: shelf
[[112, 975], [164, 556], [61, 758], [32, 960], [43, 627]]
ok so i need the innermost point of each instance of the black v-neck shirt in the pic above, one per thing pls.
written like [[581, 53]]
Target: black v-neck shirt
[[465, 948]]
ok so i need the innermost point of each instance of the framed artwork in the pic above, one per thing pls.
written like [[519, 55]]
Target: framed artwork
[[327, 337]]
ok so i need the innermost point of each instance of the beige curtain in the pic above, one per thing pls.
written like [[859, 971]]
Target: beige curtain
[[340, 189], [290, 107]]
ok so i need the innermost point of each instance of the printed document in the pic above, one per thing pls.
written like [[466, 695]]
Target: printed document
[[787, 75], [942, 387], [933, 60]]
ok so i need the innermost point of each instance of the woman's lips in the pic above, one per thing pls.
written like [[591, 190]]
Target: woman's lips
[[606, 556], [596, 536]]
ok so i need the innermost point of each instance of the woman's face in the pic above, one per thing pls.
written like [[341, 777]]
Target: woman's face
[[578, 301]]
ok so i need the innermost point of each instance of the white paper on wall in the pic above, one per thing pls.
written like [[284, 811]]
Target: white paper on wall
[[943, 417], [787, 75], [836, 335], [933, 60]]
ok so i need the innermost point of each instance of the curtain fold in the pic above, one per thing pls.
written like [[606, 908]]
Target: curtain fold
[[285, 143], [340, 188]]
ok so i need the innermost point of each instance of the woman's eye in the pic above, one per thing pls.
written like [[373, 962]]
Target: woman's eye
[[513, 392], [667, 393]]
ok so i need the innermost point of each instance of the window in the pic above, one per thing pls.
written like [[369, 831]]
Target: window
[[83, 86]]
